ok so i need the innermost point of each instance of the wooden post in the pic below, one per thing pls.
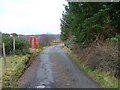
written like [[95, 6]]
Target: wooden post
[[13, 43], [4, 55]]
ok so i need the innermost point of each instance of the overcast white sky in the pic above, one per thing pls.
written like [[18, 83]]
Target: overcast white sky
[[31, 16]]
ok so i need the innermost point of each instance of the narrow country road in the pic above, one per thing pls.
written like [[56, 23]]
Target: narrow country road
[[53, 68]]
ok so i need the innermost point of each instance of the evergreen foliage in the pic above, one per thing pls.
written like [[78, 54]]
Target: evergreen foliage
[[89, 21]]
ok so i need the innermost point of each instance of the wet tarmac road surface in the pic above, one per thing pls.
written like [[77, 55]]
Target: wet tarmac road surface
[[53, 68]]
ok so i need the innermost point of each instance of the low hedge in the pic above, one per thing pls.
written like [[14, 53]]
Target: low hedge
[[21, 45]]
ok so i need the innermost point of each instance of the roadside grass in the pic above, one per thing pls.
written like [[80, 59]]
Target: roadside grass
[[105, 79], [0, 73], [52, 44], [32, 51], [16, 65], [13, 70]]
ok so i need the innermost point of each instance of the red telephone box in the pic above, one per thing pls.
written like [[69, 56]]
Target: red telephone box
[[32, 41]]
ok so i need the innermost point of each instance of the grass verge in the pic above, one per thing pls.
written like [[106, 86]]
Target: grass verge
[[0, 73], [16, 65], [105, 79]]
